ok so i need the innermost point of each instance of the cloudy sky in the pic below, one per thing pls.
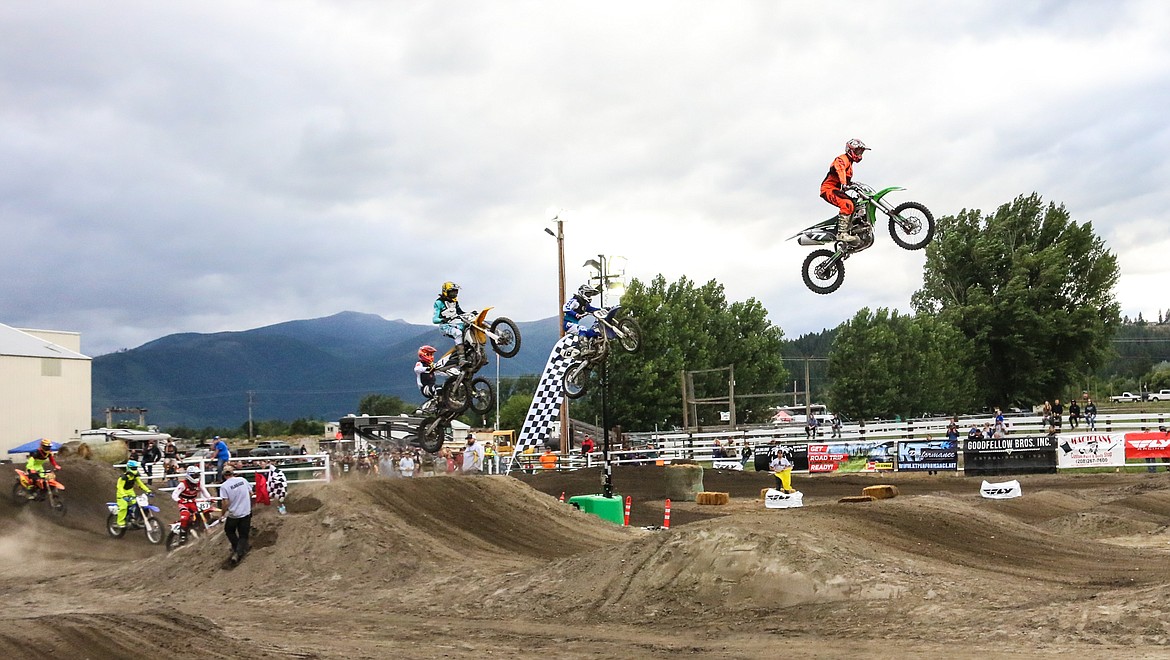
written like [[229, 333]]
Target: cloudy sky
[[171, 167]]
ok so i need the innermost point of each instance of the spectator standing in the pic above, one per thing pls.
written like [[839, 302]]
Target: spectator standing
[[491, 458], [406, 465], [151, 456], [472, 456], [236, 494], [1074, 414], [171, 451], [953, 431], [427, 463], [386, 465], [171, 472], [1091, 415], [836, 427], [303, 450], [222, 456]]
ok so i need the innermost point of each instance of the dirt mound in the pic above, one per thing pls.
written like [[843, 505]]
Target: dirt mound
[[122, 635], [389, 531]]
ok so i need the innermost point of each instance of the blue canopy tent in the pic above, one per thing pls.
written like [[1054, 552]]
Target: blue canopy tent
[[29, 447]]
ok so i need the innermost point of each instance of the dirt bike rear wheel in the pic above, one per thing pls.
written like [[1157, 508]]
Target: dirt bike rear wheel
[[509, 337], [834, 276], [112, 526], [154, 531], [19, 495], [56, 502], [455, 399], [430, 435], [576, 383], [482, 396], [911, 219], [631, 339]]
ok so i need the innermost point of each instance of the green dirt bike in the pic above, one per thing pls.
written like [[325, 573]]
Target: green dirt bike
[[911, 227]]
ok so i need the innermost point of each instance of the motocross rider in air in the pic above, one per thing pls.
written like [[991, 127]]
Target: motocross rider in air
[[189, 490], [578, 307], [833, 187], [446, 316], [35, 466], [124, 490], [424, 375]]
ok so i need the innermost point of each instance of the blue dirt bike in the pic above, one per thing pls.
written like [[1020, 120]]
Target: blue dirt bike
[[140, 515]]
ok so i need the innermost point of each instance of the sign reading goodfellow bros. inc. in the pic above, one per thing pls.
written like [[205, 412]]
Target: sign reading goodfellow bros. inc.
[[1009, 444]]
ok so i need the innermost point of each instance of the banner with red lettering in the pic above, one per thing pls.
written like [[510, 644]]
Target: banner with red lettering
[[1148, 444], [1090, 449], [825, 458]]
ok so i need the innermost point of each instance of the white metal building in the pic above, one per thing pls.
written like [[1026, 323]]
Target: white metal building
[[45, 386]]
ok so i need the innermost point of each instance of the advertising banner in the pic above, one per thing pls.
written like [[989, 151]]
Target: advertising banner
[[1079, 450], [1035, 454], [1155, 444], [916, 455], [851, 456], [1002, 491]]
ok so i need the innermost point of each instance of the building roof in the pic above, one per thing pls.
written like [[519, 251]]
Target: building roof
[[21, 344]]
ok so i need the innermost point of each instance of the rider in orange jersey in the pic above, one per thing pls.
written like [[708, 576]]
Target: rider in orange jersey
[[833, 187]]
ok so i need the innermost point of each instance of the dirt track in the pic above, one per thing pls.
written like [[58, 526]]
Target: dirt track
[[467, 567]]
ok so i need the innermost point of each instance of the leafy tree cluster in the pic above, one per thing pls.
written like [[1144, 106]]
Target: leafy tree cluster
[[1030, 289], [885, 364], [685, 328], [266, 428]]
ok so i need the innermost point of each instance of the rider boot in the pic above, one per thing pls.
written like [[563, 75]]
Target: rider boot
[[460, 355], [843, 235]]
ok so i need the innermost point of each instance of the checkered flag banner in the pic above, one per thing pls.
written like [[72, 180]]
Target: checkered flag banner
[[546, 403]]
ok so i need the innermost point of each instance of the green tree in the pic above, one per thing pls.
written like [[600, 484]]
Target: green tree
[[513, 411], [304, 426], [886, 364], [1032, 291], [688, 327], [383, 404]]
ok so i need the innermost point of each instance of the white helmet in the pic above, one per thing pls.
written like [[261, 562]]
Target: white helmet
[[193, 474]]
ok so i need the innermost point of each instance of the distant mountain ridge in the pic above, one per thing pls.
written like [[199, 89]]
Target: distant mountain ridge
[[318, 368]]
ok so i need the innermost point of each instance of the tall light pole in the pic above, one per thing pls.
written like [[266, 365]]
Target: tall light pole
[[566, 436]]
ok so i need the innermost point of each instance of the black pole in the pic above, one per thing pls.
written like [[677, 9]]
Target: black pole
[[607, 480]]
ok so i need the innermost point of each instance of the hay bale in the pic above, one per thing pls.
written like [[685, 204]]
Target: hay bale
[[855, 498], [880, 492], [683, 482], [112, 452], [76, 448], [717, 499]]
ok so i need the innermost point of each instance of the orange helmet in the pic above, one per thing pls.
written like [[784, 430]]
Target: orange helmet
[[854, 149], [46, 444], [426, 354]]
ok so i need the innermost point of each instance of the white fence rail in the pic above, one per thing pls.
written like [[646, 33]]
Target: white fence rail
[[245, 465]]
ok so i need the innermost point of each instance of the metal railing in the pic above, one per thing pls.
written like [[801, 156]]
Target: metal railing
[[297, 474]]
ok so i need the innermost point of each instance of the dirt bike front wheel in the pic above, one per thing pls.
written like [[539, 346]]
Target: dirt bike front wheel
[[482, 396], [911, 226], [508, 343], [430, 435], [154, 530], [112, 526], [630, 336], [821, 274], [577, 380]]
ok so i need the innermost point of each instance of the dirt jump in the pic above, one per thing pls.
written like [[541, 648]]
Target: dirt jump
[[463, 567]]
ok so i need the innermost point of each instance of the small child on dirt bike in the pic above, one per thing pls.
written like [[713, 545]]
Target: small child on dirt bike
[[189, 490], [424, 374], [446, 316], [35, 466], [124, 490], [834, 184]]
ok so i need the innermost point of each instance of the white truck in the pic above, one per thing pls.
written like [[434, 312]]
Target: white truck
[[1160, 395], [1125, 397]]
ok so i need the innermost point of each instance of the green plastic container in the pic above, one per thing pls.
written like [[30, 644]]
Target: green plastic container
[[606, 508]]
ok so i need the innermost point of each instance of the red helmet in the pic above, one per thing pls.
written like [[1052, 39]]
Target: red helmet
[[854, 149], [426, 354]]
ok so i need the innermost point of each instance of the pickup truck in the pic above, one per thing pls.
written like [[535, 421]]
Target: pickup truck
[[272, 448], [1160, 395], [1125, 397]]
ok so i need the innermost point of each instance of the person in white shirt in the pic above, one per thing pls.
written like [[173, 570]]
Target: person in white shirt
[[781, 467], [236, 494], [406, 465], [472, 456]]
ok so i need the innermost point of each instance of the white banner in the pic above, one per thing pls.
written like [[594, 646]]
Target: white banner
[[1004, 491], [726, 465], [1078, 450]]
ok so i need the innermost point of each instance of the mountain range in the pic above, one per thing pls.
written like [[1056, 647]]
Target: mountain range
[[315, 368]]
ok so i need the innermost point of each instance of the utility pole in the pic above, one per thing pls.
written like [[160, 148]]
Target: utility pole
[[251, 393], [566, 435], [731, 394]]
